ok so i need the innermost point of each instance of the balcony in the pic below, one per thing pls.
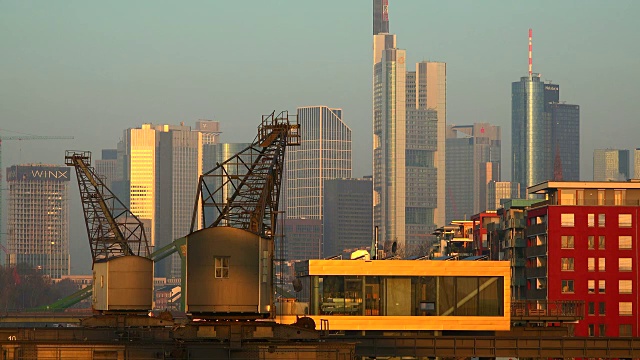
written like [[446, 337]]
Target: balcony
[[536, 229], [521, 243], [518, 281], [535, 251], [517, 223], [537, 272], [537, 294], [517, 262], [547, 310]]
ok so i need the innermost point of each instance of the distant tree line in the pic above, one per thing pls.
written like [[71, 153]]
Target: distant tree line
[[23, 287]]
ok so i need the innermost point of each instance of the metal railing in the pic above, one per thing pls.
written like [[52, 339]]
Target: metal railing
[[570, 310]]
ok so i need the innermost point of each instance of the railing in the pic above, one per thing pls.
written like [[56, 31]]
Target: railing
[[537, 272], [534, 251], [589, 202], [570, 310], [535, 229]]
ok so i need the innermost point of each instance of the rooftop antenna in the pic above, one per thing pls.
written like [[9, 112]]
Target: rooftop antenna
[[530, 61]]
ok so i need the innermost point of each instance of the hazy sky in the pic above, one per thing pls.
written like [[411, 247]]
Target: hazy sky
[[93, 68]]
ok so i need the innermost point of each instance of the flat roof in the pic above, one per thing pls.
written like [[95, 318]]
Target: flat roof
[[544, 187], [409, 268]]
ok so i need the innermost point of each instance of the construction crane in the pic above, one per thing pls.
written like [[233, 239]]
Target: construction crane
[[119, 245], [21, 137], [112, 228], [243, 191]]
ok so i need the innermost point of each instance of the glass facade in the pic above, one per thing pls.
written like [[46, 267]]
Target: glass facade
[[565, 140], [610, 165], [531, 133], [406, 295]]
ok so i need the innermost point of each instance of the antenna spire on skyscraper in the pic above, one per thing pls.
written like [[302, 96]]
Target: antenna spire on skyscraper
[[530, 60]]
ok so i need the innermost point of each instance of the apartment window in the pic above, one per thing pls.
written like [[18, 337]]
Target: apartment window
[[624, 330], [566, 264], [592, 329], [624, 242], [602, 309], [602, 330], [601, 264], [625, 287], [624, 220], [591, 220], [624, 308], [222, 267], [591, 264], [601, 242], [567, 220], [591, 242], [625, 264], [592, 308], [601, 220], [591, 285], [601, 286], [567, 286], [566, 241]]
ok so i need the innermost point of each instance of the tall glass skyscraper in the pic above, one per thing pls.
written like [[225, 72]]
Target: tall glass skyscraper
[[565, 140], [324, 153], [409, 123]]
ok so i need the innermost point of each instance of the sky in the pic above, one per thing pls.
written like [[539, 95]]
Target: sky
[[91, 69]]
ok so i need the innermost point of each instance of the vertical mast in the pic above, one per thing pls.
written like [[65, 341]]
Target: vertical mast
[[530, 61]]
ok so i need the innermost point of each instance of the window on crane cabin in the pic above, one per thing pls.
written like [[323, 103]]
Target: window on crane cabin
[[221, 266]]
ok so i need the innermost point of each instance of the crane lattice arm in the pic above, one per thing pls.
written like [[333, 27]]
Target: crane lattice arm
[[243, 191], [112, 228]]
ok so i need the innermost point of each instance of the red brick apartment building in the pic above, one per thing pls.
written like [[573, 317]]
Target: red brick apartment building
[[583, 243]]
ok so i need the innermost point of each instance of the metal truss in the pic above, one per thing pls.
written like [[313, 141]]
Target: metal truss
[[112, 228], [243, 191]]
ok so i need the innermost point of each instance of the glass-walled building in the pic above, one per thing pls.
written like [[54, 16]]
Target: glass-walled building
[[406, 294]]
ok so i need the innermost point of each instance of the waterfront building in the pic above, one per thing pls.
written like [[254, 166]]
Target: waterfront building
[[610, 165], [473, 160], [582, 244], [347, 215], [38, 218]]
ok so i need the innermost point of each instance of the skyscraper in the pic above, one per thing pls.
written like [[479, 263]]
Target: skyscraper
[[537, 121], [565, 140], [348, 215], [499, 190], [610, 165], [178, 167], [324, 153], [106, 166], [38, 221], [380, 16], [473, 160], [409, 123]]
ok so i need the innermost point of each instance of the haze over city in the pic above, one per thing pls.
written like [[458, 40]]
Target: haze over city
[[91, 70]]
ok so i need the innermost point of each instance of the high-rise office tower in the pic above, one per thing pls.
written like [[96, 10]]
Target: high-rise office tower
[[499, 190], [38, 221], [106, 166], [565, 141], [178, 168], [409, 123], [324, 153], [536, 117], [610, 165], [348, 215], [210, 134], [473, 160], [137, 154], [636, 162]]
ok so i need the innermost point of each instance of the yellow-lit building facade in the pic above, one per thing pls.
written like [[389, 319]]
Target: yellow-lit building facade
[[411, 295], [141, 147]]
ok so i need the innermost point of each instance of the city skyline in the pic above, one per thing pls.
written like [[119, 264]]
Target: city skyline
[[144, 71]]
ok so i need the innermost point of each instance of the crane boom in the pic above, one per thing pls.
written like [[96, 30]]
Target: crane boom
[[243, 191], [112, 228]]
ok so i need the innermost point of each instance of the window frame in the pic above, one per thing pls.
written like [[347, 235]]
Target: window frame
[[221, 263]]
